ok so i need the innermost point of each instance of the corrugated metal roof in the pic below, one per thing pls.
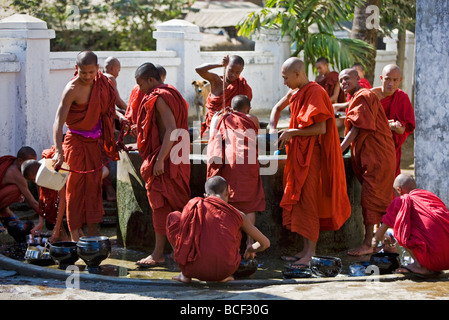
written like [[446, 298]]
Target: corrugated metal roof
[[218, 14]]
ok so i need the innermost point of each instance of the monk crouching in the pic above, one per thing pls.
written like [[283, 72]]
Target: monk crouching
[[13, 185], [206, 235], [421, 225]]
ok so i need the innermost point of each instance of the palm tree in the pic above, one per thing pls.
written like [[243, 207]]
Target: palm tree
[[365, 29], [311, 24]]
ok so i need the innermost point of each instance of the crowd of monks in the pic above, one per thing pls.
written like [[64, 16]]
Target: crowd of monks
[[205, 232]]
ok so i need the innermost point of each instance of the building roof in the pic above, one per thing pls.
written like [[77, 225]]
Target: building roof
[[219, 14]]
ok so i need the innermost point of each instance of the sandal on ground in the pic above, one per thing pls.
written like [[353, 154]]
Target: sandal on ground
[[431, 274]]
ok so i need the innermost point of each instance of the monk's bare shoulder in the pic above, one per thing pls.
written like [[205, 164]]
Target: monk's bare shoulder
[[13, 175], [254, 119], [378, 92]]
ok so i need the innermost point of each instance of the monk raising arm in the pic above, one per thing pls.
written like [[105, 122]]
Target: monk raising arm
[[214, 79]]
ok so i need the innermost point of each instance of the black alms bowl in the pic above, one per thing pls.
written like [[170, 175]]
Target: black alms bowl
[[386, 262], [93, 250], [19, 229], [325, 266], [64, 253]]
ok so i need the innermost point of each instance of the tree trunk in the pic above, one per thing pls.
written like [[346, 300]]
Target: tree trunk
[[400, 57], [365, 27]]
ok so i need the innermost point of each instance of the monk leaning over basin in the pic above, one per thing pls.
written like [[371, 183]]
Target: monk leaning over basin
[[421, 225], [373, 156], [206, 235]]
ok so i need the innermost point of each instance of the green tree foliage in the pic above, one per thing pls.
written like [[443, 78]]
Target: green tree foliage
[[310, 25], [110, 25]]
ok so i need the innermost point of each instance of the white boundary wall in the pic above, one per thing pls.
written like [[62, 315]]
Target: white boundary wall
[[32, 78]]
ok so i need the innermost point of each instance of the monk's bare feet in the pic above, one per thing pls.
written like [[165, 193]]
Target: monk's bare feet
[[414, 268], [150, 261], [182, 278], [361, 251], [230, 278], [302, 263]]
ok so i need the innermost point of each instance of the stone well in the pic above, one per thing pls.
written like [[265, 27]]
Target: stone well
[[135, 228]]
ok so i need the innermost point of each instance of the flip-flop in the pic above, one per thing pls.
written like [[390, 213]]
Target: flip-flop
[[290, 258], [410, 272], [150, 265], [295, 266], [2, 228]]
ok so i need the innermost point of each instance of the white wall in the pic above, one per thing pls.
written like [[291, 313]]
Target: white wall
[[32, 78]]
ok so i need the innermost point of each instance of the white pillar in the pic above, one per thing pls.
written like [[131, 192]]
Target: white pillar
[[29, 40], [270, 40], [432, 97], [184, 38]]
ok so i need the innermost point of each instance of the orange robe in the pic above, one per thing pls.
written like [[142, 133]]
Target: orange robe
[[84, 190], [133, 104], [232, 154], [315, 195], [48, 198], [399, 108], [372, 153], [421, 224], [215, 103], [171, 190], [329, 82], [9, 193], [206, 238]]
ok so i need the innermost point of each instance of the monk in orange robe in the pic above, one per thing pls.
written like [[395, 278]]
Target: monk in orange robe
[[206, 235], [135, 99], [315, 195], [13, 185], [329, 81], [397, 107], [166, 167], [232, 154], [87, 108], [222, 90], [420, 221], [372, 153], [363, 83]]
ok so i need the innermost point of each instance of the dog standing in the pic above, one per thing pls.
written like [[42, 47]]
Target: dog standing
[[202, 89]]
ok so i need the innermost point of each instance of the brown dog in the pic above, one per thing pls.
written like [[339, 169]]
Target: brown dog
[[202, 89]]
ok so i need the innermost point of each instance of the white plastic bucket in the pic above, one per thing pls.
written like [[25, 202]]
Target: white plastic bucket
[[47, 177]]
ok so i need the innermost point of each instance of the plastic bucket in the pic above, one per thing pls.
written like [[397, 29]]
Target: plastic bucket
[[47, 177]]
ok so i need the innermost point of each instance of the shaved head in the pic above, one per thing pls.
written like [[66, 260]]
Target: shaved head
[[391, 79], [111, 61], [391, 68], [404, 183], [350, 71], [216, 185], [29, 169], [86, 58], [26, 153], [294, 64]]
